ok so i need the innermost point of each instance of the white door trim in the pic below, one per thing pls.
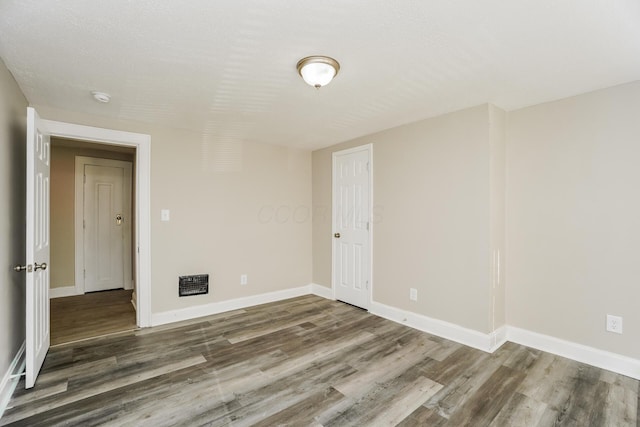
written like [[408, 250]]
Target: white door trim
[[142, 144], [80, 163], [369, 149]]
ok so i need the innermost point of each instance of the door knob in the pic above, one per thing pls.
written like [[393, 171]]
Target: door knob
[[336, 235], [119, 219], [42, 266], [28, 268]]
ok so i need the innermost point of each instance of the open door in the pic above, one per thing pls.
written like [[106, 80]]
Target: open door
[[37, 260]]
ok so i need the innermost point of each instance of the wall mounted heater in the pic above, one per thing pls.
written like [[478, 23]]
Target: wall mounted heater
[[193, 285]]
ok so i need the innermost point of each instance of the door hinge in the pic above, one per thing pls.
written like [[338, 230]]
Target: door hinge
[[84, 179], [84, 273], [367, 166], [84, 224], [367, 226]]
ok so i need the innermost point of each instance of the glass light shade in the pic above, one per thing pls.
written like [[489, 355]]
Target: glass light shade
[[318, 71], [318, 74]]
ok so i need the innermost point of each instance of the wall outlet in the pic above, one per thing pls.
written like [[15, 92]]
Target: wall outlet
[[243, 279], [413, 294], [614, 324], [165, 215]]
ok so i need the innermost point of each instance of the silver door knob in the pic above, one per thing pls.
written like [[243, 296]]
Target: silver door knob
[[42, 266], [20, 268], [119, 219], [336, 235]]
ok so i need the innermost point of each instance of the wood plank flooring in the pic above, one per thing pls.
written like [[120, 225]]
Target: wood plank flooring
[[313, 362], [91, 315]]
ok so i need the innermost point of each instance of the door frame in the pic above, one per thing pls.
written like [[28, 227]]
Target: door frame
[[80, 163], [142, 236], [334, 194]]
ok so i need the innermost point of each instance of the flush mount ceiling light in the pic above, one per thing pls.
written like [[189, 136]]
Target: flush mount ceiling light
[[101, 97], [318, 70]]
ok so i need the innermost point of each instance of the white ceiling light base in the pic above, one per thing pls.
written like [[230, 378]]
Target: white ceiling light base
[[318, 70], [101, 97]]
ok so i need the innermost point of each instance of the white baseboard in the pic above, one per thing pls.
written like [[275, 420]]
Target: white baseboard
[[321, 291], [11, 378], [592, 356], [488, 342], [220, 307], [491, 342], [65, 291], [469, 337], [498, 337]]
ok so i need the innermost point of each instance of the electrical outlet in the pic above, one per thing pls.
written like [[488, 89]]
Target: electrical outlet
[[614, 324], [413, 294], [243, 279]]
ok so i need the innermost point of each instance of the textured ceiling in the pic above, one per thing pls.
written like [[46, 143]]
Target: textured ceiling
[[226, 68]]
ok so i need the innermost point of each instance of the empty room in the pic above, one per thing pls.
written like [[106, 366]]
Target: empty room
[[303, 213]]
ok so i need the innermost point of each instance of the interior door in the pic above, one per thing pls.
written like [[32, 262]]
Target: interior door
[[104, 216], [351, 220], [37, 254]]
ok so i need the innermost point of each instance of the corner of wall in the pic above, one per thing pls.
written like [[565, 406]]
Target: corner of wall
[[321, 291], [497, 195], [13, 128]]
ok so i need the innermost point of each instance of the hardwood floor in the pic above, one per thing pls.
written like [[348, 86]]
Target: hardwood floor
[[91, 315], [310, 361]]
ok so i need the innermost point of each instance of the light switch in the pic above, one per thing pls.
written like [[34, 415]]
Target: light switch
[[164, 215]]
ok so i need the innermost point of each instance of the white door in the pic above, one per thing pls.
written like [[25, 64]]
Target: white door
[[37, 234], [352, 225], [106, 218]]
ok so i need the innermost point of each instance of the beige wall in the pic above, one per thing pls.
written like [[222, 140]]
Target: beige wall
[[63, 208], [432, 182], [574, 218], [13, 111], [236, 208]]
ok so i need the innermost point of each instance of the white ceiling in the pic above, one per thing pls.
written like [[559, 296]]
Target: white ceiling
[[226, 68]]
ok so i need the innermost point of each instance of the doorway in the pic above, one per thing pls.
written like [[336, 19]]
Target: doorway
[[142, 182], [37, 226], [352, 226], [91, 245]]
